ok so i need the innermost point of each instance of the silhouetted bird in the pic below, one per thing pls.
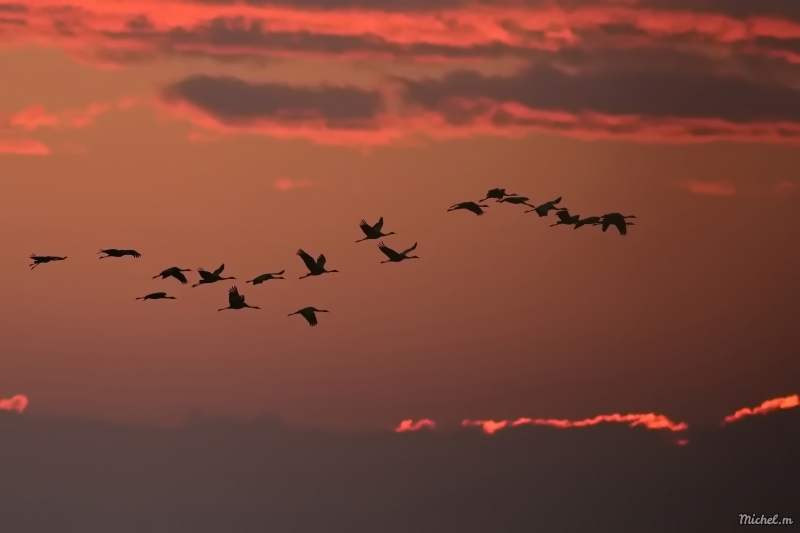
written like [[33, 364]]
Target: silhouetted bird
[[497, 194], [40, 259], [264, 277], [308, 314], [469, 206], [517, 200], [565, 218], [315, 268], [175, 272], [618, 220], [594, 221], [395, 257], [113, 252], [211, 277], [236, 300], [373, 232], [546, 207], [156, 296]]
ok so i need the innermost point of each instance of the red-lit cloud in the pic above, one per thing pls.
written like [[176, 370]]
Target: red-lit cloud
[[410, 425], [712, 188], [23, 147], [286, 184], [649, 420], [466, 104], [134, 30], [770, 405], [648, 71], [784, 187], [16, 403], [36, 116]]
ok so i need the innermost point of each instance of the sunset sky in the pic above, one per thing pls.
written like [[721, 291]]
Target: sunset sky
[[211, 131]]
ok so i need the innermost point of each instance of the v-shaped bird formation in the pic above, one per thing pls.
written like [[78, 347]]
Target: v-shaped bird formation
[[317, 267]]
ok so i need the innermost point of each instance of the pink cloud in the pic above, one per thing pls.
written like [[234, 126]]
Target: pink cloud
[[785, 187], [410, 425], [16, 403], [770, 405], [648, 420], [286, 184], [23, 147], [712, 188]]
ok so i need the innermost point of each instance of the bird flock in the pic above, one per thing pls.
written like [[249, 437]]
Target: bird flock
[[564, 218], [316, 267]]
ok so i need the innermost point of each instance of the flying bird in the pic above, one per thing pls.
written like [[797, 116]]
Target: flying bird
[[40, 259], [211, 277], [174, 272], [517, 200], [113, 252], [565, 218], [264, 277], [469, 206], [373, 232], [236, 300], [309, 314], [497, 194], [618, 220], [546, 207], [315, 268], [395, 257], [594, 221], [156, 296]]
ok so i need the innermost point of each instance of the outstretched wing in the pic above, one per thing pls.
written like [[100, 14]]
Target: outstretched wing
[[207, 276], [321, 261], [234, 298], [388, 252], [378, 225], [410, 249], [621, 225], [564, 216], [554, 202], [475, 208], [366, 228], [133, 253], [218, 271], [307, 259], [177, 274], [310, 316]]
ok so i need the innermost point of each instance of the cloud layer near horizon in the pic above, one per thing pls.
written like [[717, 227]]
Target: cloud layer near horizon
[[216, 475]]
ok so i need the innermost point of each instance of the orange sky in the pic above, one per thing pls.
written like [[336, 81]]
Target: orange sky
[[692, 314]]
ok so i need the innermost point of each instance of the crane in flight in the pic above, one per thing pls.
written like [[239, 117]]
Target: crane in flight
[[546, 207], [497, 194], [374, 231], [469, 206], [236, 300], [174, 272], [41, 259], [156, 296], [564, 218], [516, 200], [396, 257], [315, 268], [618, 220], [113, 252], [264, 277], [211, 277], [309, 314], [594, 221]]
